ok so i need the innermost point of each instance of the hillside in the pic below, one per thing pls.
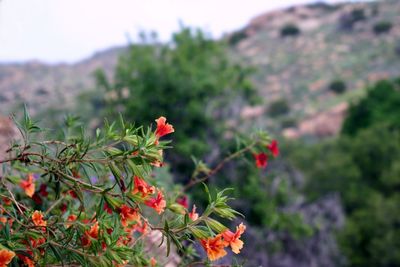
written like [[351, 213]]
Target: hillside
[[333, 43], [42, 86], [322, 43]]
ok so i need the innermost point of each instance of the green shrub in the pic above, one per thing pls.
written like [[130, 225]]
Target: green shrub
[[290, 30], [191, 80], [288, 122], [382, 27], [237, 36], [347, 20], [278, 108], [338, 86]]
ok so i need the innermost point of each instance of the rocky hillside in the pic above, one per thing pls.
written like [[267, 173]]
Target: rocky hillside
[[301, 53], [310, 59]]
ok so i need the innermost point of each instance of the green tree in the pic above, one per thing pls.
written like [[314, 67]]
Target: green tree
[[363, 165], [190, 80]]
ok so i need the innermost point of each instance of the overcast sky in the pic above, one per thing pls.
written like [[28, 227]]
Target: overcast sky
[[70, 30]]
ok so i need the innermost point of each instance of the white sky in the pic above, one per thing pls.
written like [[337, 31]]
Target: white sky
[[69, 30]]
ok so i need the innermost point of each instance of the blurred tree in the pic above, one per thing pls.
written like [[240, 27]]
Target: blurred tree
[[363, 165], [191, 81]]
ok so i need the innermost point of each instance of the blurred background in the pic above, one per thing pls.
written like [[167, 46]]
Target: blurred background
[[322, 76]]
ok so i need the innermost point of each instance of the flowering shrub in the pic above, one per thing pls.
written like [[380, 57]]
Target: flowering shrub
[[91, 201]]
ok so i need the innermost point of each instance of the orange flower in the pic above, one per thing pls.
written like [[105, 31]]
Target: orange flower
[[71, 218], [158, 203], [193, 215], [153, 262], [163, 128], [6, 257], [142, 187], [28, 185], [214, 247], [94, 231], [261, 160], [37, 218], [28, 262], [141, 227], [233, 238], [128, 215]]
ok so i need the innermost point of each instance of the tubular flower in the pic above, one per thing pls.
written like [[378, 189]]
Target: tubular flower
[[37, 218], [28, 185], [128, 215], [214, 247], [142, 187], [261, 160], [6, 257], [42, 190], [94, 231], [233, 238], [193, 215], [27, 261], [183, 201], [163, 128], [107, 208], [71, 218], [158, 203], [273, 147], [153, 262]]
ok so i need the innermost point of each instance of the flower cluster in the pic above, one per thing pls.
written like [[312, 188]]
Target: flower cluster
[[261, 158], [215, 246], [84, 202]]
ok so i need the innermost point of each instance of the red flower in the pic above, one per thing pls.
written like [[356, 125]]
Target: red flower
[[261, 160], [163, 128], [7, 201], [28, 185], [215, 247], [273, 147], [37, 199], [142, 187], [233, 238], [85, 239], [42, 190], [183, 201], [71, 218], [107, 208], [158, 203], [72, 193], [5, 257], [63, 207], [128, 214]]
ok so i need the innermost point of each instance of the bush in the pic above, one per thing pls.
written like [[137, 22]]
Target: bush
[[382, 27], [192, 75], [374, 109], [363, 166], [278, 108], [290, 30], [237, 36], [84, 201], [347, 20], [337, 86]]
